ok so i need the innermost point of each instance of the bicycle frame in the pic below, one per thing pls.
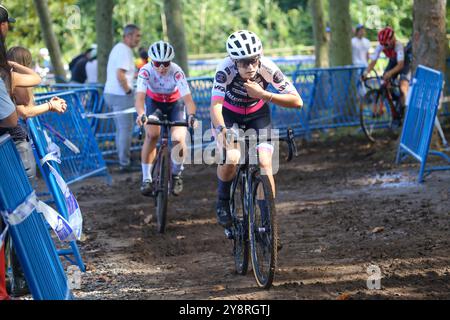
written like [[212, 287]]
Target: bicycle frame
[[246, 172], [385, 89], [249, 231], [165, 125], [162, 171], [163, 144]]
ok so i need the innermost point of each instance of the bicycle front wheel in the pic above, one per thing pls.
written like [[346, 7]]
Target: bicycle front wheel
[[263, 231], [375, 114], [162, 190], [239, 228]]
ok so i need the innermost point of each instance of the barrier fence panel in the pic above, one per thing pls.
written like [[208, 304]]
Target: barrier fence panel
[[80, 155], [422, 104], [330, 96], [41, 147], [34, 247], [104, 130]]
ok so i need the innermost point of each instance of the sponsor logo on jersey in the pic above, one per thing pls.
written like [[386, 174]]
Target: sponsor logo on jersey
[[228, 71], [219, 88], [278, 77], [284, 86], [144, 75], [179, 76], [221, 77]]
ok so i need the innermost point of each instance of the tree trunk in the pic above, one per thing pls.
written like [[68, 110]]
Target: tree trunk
[[50, 39], [175, 31], [105, 37], [341, 33], [430, 38], [320, 37]]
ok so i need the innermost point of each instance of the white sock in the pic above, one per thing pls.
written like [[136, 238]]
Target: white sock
[[147, 171]]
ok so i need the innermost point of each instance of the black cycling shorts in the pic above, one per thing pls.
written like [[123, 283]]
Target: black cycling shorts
[[260, 121], [175, 111], [405, 73]]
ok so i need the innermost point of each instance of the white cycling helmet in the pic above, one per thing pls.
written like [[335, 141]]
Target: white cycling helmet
[[161, 51], [243, 44]]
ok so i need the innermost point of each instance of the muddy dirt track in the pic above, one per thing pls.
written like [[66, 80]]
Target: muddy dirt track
[[342, 206]]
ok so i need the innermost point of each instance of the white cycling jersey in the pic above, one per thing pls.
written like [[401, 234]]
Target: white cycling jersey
[[168, 88], [398, 52], [229, 87]]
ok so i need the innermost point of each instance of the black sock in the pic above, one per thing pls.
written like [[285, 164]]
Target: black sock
[[223, 189]]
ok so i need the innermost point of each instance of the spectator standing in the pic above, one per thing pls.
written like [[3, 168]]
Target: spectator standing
[[119, 91], [78, 68], [360, 47]]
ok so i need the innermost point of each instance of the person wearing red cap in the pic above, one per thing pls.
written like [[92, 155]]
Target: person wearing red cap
[[399, 64]]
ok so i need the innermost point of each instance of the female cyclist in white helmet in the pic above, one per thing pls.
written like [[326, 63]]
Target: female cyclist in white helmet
[[239, 97], [162, 87]]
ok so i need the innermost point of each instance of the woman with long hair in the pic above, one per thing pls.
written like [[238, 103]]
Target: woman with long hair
[[23, 96]]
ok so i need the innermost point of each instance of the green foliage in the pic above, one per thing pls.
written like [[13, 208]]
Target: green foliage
[[279, 23], [376, 15]]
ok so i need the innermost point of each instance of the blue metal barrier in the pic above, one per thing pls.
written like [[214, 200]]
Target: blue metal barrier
[[105, 131], [423, 101], [330, 100], [34, 247], [41, 150], [330, 96], [74, 128]]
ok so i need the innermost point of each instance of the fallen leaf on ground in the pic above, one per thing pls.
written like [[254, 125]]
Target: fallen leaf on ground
[[148, 219], [344, 296], [378, 230], [219, 288]]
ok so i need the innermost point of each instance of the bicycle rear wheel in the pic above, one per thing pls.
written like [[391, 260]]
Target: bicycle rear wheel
[[239, 228], [162, 190], [263, 231], [375, 114]]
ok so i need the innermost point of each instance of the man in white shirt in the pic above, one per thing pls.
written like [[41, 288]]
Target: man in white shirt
[[92, 68], [360, 47], [119, 91]]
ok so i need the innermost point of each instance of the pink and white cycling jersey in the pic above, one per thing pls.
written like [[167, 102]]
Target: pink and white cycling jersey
[[168, 88], [229, 87]]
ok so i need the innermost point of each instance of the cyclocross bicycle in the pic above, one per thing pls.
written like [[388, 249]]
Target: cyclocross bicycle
[[254, 230], [380, 108], [161, 172]]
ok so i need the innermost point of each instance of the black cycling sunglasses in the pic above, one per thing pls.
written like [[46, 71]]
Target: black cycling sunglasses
[[244, 63], [158, 64]]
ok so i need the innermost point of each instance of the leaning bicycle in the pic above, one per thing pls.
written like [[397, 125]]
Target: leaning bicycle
[[380, 108], [161, 172], [254, 229]]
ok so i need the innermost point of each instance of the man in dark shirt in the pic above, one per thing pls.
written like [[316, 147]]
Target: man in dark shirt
[[78, 67]]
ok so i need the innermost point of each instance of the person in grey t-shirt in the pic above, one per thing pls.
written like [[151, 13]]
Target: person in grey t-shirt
[[8, 114]]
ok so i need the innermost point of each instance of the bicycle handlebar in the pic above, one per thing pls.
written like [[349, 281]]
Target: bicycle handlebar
[[290, 140], [380, 81], [146, 121]]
